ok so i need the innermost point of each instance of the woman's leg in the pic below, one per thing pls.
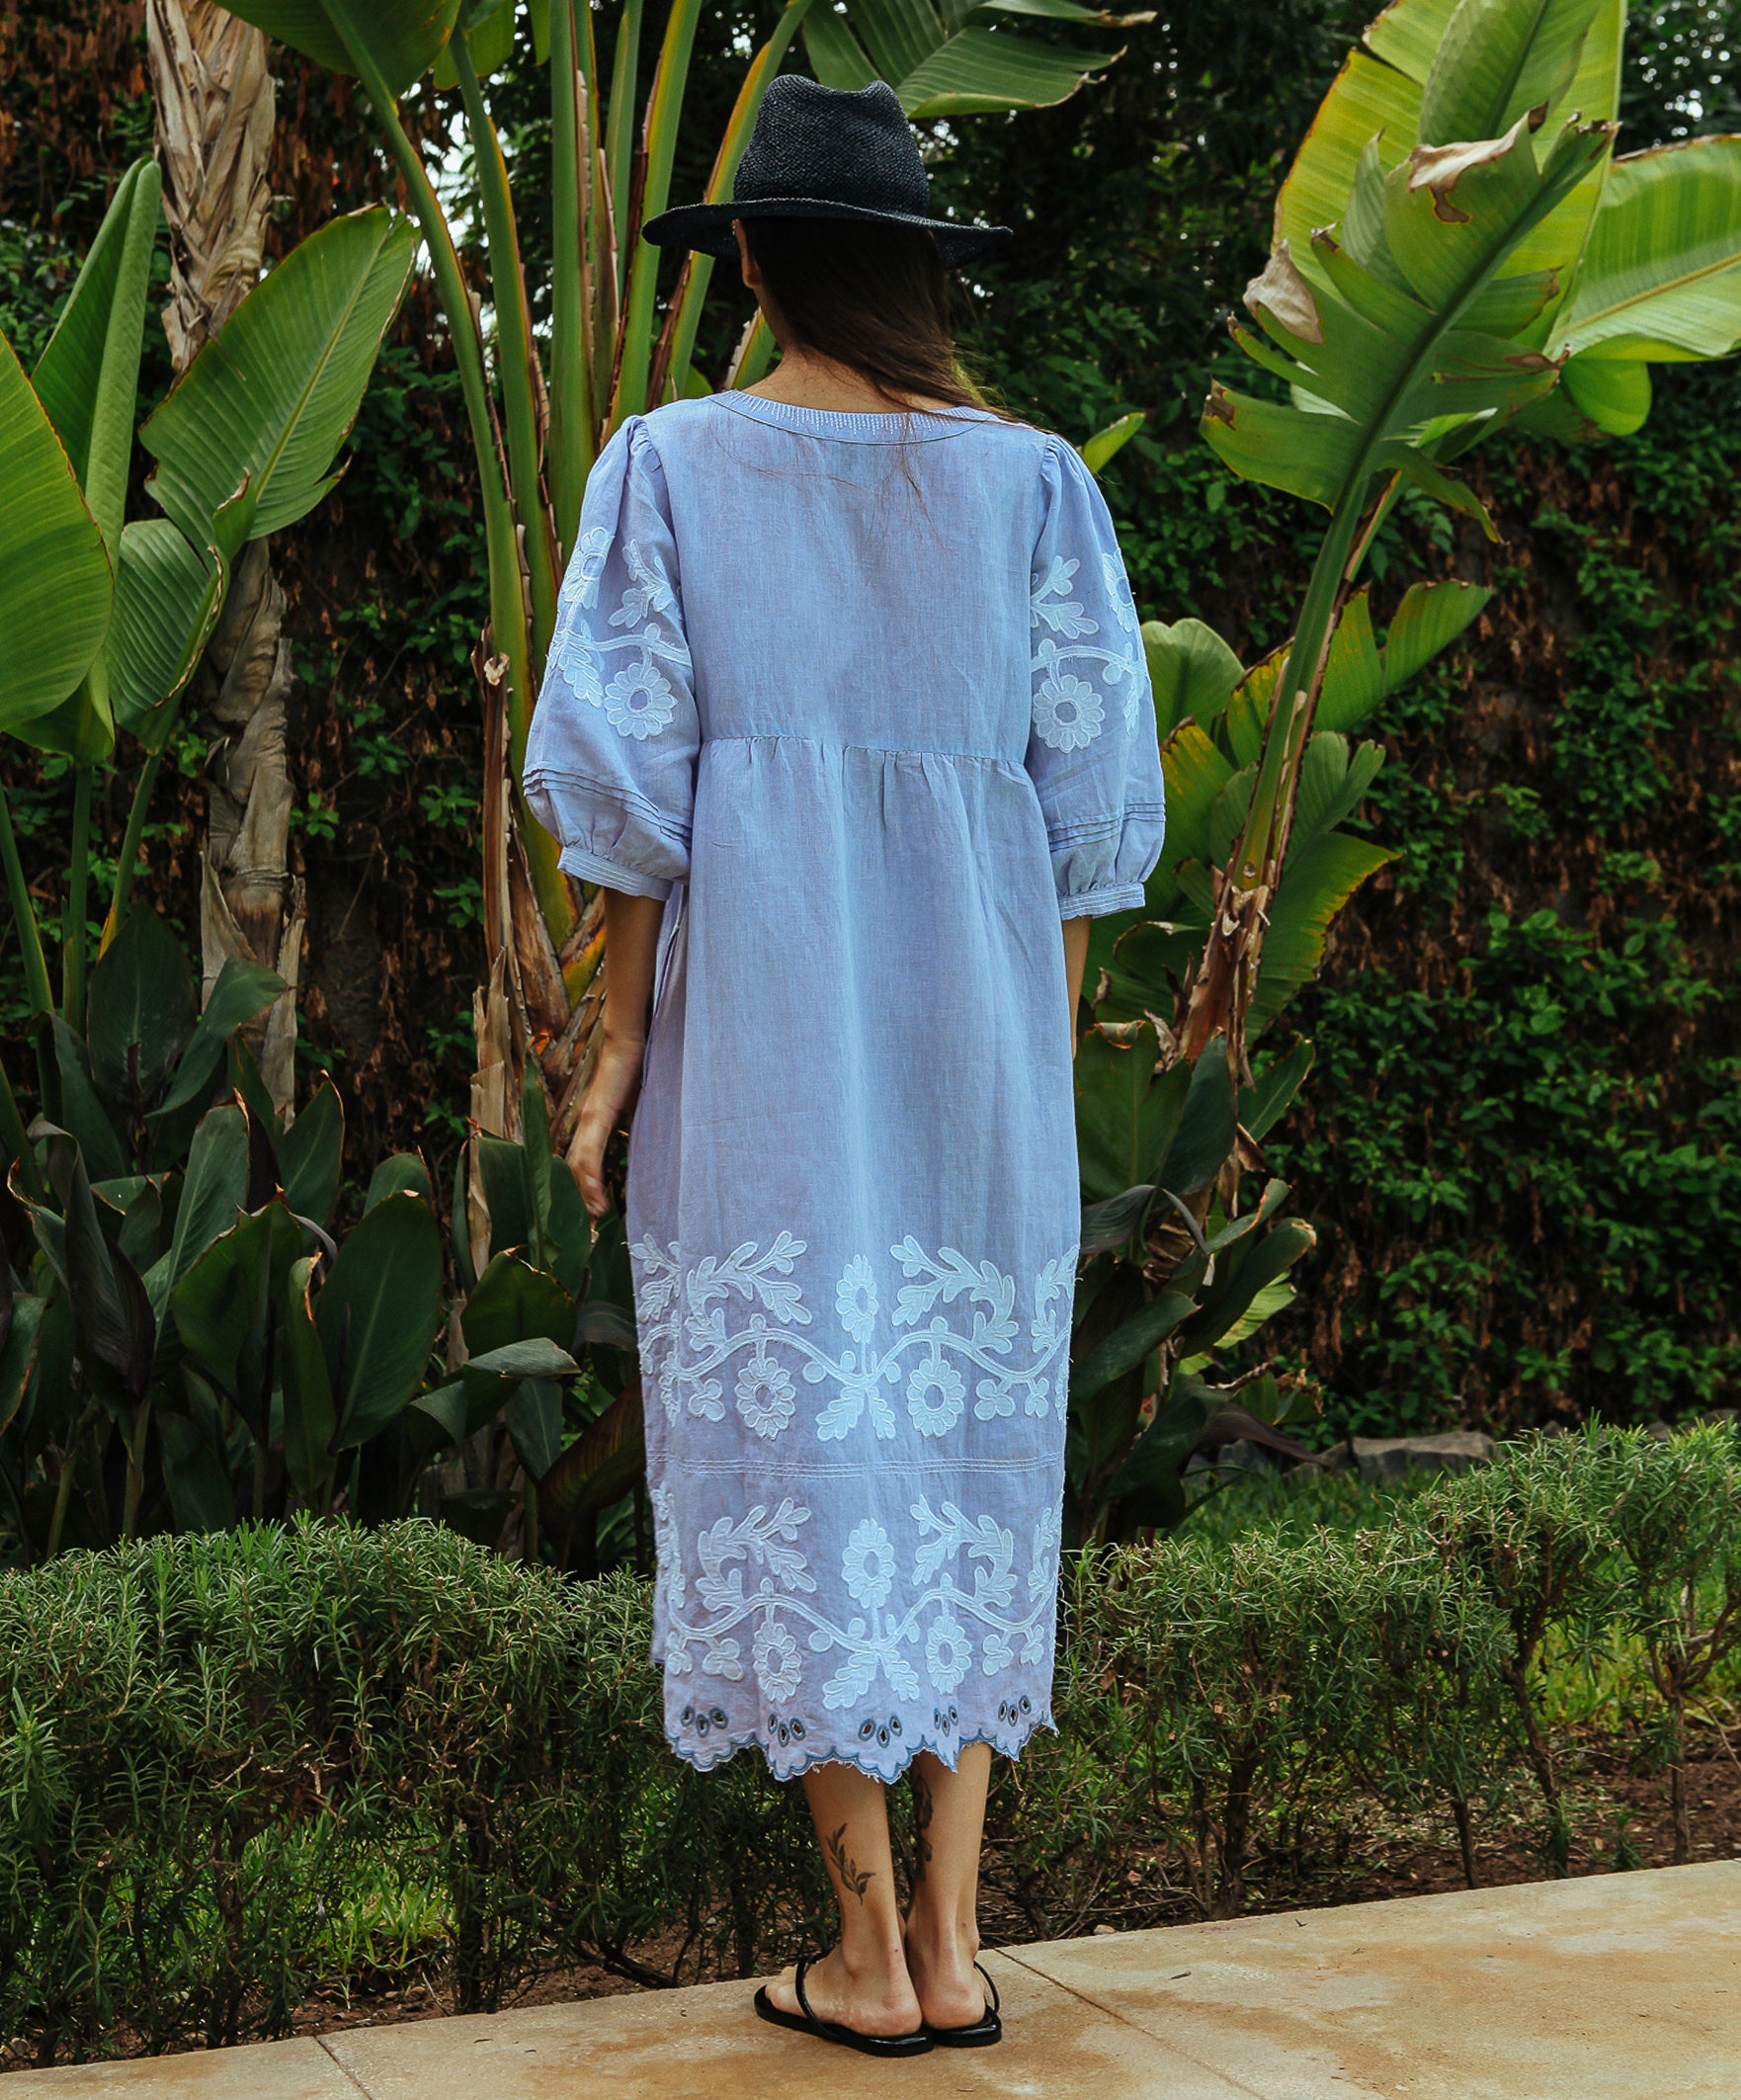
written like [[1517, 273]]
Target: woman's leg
[[864, 1982], [942, 1922]]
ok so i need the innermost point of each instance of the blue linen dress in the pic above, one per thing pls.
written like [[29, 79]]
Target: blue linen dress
[[864, 699]]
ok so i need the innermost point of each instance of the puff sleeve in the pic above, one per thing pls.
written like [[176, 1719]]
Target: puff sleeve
[[611, 759], [1092, 751]]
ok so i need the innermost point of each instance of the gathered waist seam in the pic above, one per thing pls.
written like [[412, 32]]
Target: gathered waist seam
[[842, 743]]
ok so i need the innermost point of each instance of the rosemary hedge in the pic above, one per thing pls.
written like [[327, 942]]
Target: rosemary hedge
[[229, 1763]]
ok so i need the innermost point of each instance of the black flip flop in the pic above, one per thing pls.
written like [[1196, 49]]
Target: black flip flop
[[806, 2023], [977, 2034]]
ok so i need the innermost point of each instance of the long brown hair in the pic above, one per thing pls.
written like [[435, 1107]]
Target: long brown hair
[[872, 298]]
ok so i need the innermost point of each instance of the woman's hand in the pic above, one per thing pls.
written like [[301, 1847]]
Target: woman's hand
[[612, 1086]]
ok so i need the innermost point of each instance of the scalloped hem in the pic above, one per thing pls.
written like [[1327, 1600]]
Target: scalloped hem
[[1007, 1743]]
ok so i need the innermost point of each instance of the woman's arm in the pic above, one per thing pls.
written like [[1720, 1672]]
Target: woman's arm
[[1075, 961], [631, 940]]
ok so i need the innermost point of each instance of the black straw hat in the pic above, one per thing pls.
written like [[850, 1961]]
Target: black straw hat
[[821, 152]]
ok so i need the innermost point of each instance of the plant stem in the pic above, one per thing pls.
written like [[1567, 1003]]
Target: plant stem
[[63, 1488], [570, 451], [516, 352], [29, 940], [1296, 693], [72, 944], [664, 112], [619, 125], [129, 847], [678, 343], [507, 624], [135, 1471]]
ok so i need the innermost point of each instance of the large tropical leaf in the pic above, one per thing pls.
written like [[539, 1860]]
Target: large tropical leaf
[[212, 1192], [1398, 334], [377, 1313], [1192, 672], [1490, 56], [400, 39], [1316, 881], [88, 378], [56, 584], [953, 60], [1662, 273], [1125, 1117], [246, 438], [167, 596]]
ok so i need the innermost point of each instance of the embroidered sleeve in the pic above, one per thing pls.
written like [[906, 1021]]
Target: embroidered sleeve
[[610, 763], [1091, 750]]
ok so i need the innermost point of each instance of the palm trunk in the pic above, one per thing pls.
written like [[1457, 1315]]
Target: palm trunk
[[215, 108]]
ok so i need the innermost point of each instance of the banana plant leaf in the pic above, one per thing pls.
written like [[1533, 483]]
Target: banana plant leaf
[[242, 990], [1192, 670], [399, 1173], [167, 597], [1316, 881], [1661, 277], [1430, 618], [56, 581], [950, 62], [1377, 101], [246, 438], [82, 1114], [18, 1356], [1264, 1103], [1206, 1129], [400, 39], [516, 1302], [87, 378], [1393, 340], [1106, 444]]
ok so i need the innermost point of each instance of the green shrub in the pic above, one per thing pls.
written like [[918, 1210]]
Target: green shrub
[[208, 1738]]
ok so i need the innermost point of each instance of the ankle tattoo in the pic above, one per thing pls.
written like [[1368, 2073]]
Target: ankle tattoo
[[924, 1808], [846, 1870]]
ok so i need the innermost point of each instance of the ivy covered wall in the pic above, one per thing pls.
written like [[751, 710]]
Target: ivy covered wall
[[1522, 1145]]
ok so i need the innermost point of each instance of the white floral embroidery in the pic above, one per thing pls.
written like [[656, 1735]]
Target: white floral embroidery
[[947, 1652], [868, 1565], [1068, 710], [764, 1396], [595, 546], [935, 1416], [775, 1658], [854, 1299], [826, 1631], [639, 700], [687, 1339]]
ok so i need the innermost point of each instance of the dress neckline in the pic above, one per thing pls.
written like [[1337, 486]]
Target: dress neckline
[[918, 426]]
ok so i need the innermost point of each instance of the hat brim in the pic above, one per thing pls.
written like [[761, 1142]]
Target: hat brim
[[709, 227]]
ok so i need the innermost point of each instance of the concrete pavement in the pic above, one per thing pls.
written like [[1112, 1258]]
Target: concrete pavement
[[1612, 1987]]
